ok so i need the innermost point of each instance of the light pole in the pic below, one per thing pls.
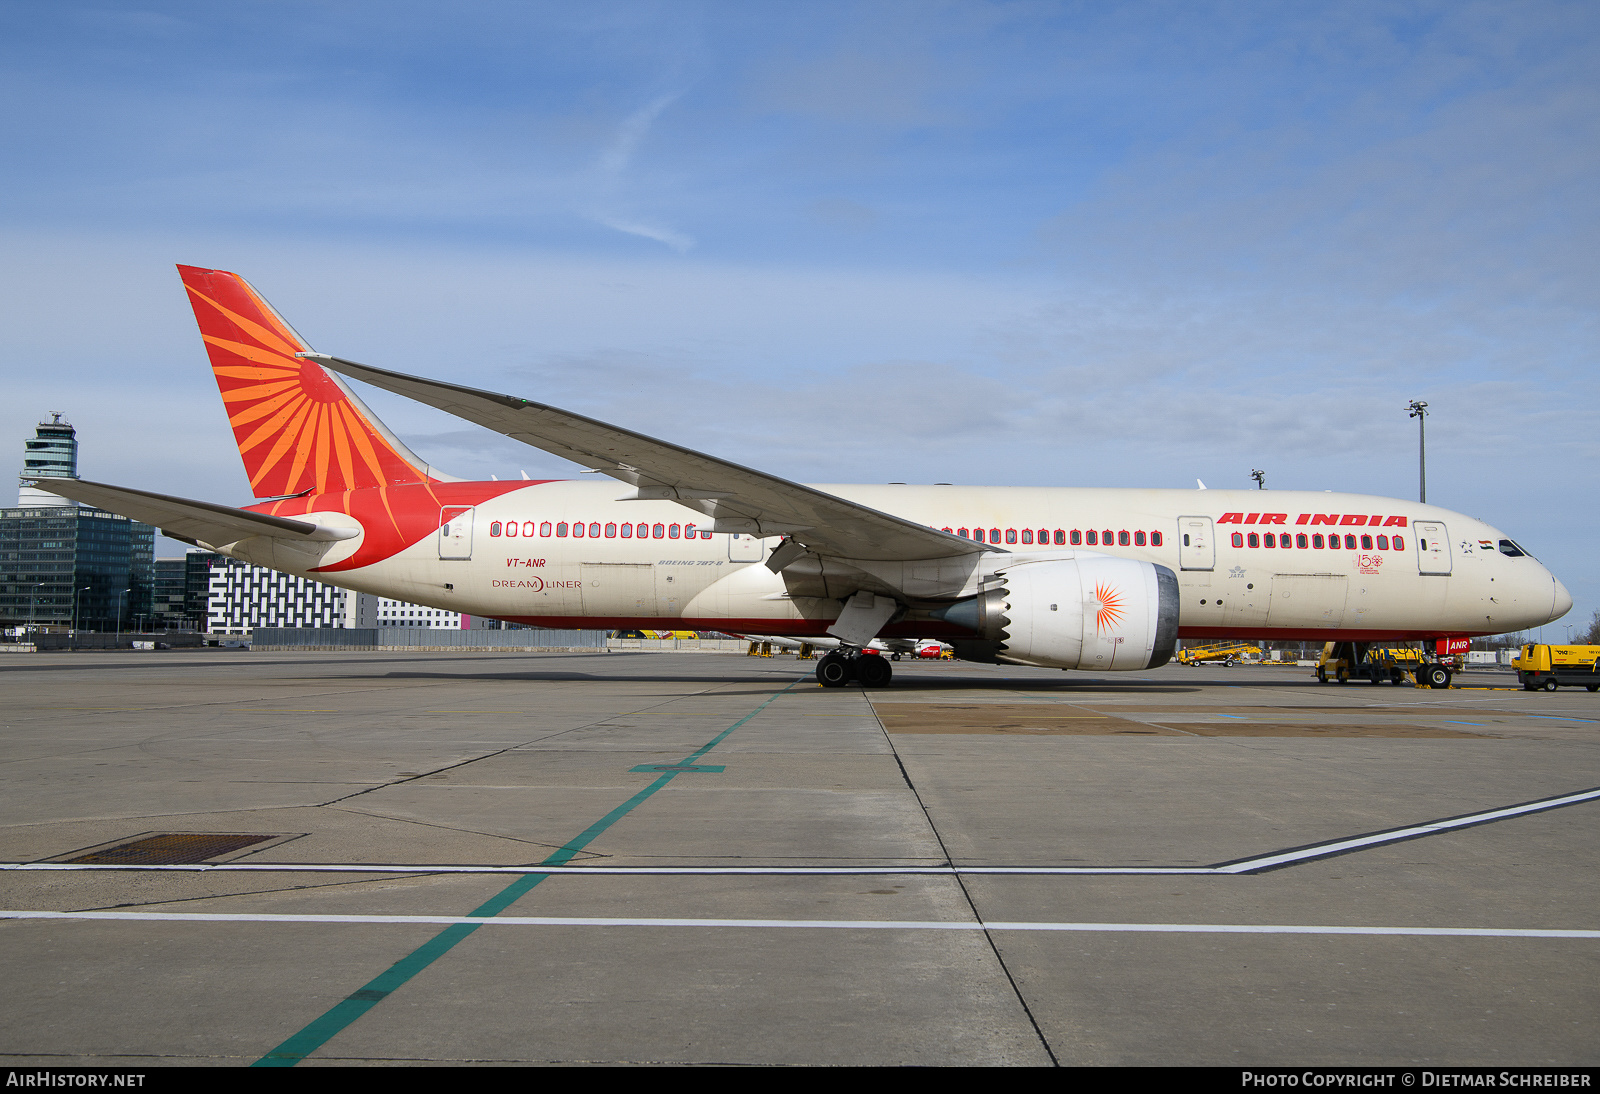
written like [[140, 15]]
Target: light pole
[[73, 640], [1419, 411], [33, 595], [1261, 479]]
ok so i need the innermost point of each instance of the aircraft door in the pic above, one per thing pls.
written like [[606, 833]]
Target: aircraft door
[[455, 532], [1433, 547], [742, 548], [1196, 548]]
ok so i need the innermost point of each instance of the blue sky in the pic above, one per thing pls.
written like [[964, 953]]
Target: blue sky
[[1030, 243]]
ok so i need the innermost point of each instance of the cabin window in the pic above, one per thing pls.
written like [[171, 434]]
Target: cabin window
[[1269, 540], [962, 532], [1123, 540], [1399, 544], [1366, 543], [577, 530], [644, 531], [1316, 541], [627, 531], [1138, 539], [594, 530], [1255, 540], [672, 531], [611, 531], [1044, 535], [1300, 541], [1027, 535], [1061, 537], [1238, 539], [704, 534], [1092, 538], [1383, 543], [561, 528], [688, 531], [494, 528], [1155, 539], [1350, 543], [1283, 541], [1105, 538], [1011, 535], [659, 531], [945, 530], [1077, 537], [994, 535], [544, 529]]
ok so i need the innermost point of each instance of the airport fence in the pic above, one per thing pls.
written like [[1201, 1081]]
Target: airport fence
[[715, 645], [425, 640]]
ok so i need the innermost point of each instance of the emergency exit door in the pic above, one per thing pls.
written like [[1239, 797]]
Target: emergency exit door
[[455, 532], [1433, 547], [1197, 550], [743, 548]]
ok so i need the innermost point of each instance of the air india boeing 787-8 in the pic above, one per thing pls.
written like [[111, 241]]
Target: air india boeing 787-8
[[1094, 579]]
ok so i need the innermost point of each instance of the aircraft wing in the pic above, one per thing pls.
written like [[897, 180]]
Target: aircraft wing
[[738, 499], [182, 518]]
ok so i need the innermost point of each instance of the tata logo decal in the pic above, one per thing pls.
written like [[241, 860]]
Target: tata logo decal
[[1337, 520], [1109, 610]]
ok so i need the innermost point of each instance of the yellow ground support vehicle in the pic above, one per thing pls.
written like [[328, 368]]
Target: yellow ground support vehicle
[[1223, 653], [1344, 661], [1551, 667]]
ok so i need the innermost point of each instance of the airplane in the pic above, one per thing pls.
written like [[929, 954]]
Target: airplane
[[1071, 578]]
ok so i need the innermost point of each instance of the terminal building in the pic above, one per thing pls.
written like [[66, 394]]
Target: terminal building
[[243, 597], [66, 566]]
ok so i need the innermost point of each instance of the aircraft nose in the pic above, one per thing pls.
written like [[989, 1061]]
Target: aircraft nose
[[1563, 600]]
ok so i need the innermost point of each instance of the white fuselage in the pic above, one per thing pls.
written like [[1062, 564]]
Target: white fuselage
[[1396, 569]]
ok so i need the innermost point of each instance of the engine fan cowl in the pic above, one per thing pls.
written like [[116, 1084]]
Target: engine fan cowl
[[1090, 612]]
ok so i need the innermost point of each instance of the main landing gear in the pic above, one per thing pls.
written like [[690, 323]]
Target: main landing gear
[[837, 669]]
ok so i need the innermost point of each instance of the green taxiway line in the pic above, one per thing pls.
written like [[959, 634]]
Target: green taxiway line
[[323, 1029]]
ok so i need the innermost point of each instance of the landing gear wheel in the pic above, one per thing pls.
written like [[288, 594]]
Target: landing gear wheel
[[1436, 676], [894, 657], [833, 671], [1322, 676], [873, 672], [1550, 684], [1396, 677]]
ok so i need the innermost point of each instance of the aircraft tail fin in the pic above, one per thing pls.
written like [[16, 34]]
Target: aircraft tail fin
[[299, 428]]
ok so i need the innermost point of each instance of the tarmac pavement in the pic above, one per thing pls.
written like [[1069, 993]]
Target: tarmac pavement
[[721, 772]]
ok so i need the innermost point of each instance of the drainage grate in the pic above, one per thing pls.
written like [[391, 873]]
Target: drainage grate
[[170, 849]]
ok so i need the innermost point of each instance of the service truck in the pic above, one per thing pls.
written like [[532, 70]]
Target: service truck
[[1551, 667]]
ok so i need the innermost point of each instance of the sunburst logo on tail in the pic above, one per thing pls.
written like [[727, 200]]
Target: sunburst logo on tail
[[296, 428], [1110, 611]]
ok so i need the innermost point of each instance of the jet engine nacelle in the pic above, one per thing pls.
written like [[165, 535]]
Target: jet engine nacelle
[[1085, 612]]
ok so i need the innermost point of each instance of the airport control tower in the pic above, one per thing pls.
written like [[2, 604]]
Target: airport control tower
[[52, 453]]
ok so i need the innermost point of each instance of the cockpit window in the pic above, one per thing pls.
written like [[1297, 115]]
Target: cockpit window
[[1511, 549]]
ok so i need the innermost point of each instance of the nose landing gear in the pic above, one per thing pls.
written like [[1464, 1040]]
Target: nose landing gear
[[837, 669]]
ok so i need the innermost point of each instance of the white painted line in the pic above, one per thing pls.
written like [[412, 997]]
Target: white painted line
[[1246, 866], [1322, 849], [1282, 858], [799, 871], [805, 924]]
